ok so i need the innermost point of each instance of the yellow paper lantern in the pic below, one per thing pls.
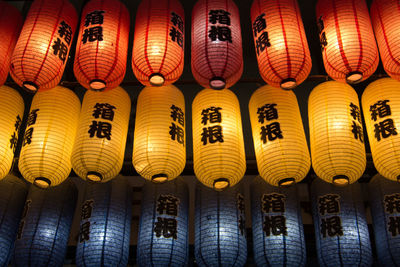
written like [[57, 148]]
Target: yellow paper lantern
[[279, 141], [159, 151], [99, 148], [336, 133], [11, 116], [45, 158], [218, 148]]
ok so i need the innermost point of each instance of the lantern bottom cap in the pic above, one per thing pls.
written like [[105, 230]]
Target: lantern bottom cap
[[156, 79], [97, 85], [159, 178], [30, 86], [217, 83], [42, 182], [94, 176], [221, 184], [288, 83], [340, 180], [354, 77], [286, 182]]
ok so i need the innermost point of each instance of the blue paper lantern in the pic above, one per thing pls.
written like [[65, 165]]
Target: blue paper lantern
[[105, 224], [163, 227], [44, 229], [341, 229], [278, 234], [220, 233]]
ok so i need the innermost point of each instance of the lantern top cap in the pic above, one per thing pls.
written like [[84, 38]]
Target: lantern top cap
[[220, 184], [340, 180], [156, 79], [288, 84], [159, 178], [94, 176], [42, 182]]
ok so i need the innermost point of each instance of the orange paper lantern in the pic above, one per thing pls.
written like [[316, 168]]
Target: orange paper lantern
[[158, 47], [217, 59], [102, 47]]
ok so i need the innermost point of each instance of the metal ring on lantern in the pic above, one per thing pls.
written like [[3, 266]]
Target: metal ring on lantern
[[156, 79], [354, 77], [30, 86], [288, 84], [217, 83], [97, 85], [221, 184], [42, 182], [159, 178], [286, 182], [94, 176], [340, 180]]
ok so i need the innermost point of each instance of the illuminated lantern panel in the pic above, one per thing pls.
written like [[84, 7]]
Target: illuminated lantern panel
[[159, 151], [45, 158], [381, 107], [99, 148], [43, 46], [280, 42], [336, 133], [102, 46], [279, 142], [347, 40], [220, 233], [163, 238], [158, 46], [340, 225], [217, 59]]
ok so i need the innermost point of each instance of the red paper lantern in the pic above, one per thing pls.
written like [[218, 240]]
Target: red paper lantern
[[102, 46], [217, 59], [280, 42], [347, 40], [158, 47], [43, 46]]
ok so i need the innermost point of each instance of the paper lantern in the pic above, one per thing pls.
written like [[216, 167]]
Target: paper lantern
[[158, 46], [278, 235], [159, 151], [99, 147], [381, 107], [11, 117], [44, 229], [218, 148], [105, 224], [347, 40], [279, 142], [220, 233], [49, 137], [341, 229], [102, 46], [336, 133], [43, 46], [280, 42], [217, 59], [163, 238]]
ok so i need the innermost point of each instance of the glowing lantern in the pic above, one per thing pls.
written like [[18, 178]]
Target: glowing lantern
[[218, 148], [99, 147], [102, 46], [278, 134], [217, 59], [347, 40], [49, 137], [43, 46], [280, 42], [336, 133], [158, 46]]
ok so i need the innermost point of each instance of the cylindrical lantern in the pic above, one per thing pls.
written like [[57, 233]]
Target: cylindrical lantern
[[45, 158], [102, 46], [218, 148], [44, 229], [158, 46], [163, 238], [381, 107], [341, 229], [336, 133], [43, 46], [280, 42], [279, 141], [105, 224], [159, 143], [220, 232], [217, 59], [347, 40], [99, 147], [11, 116], [278, 235]]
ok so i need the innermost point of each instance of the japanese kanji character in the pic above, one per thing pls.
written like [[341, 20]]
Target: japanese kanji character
[[275, 225], [385, 128], [177, 133], [87, 209], [166, 227], [167, 204], [242, 224], [212, 135], [219, 16], [273, 203], [18, 122], [357, 131], [331, 226], [323, 41], [177, 21], [65, 32], [20, 229], [271, 132], [84, 232], [178, 115], [267, 112], [380, 109], [240, 203], [262, 42], [392, 203], [394, 225], [100, 129], [60, 49], [32, 117], [329, 204], [176, 36], [259, 24], [95, 17], [103, 111], [93, 34], [355, 112], [211, 115], [220, 33], [13, 142], [28, 137]]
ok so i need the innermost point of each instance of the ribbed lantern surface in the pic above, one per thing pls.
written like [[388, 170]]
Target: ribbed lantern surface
[[217, 59], [158, 46], [218, 148], [347, 40], [99, 147], [336, 133], [44, 44], [102, 45], [159, 143], [280, 42], [279, 141], [45, 158]]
